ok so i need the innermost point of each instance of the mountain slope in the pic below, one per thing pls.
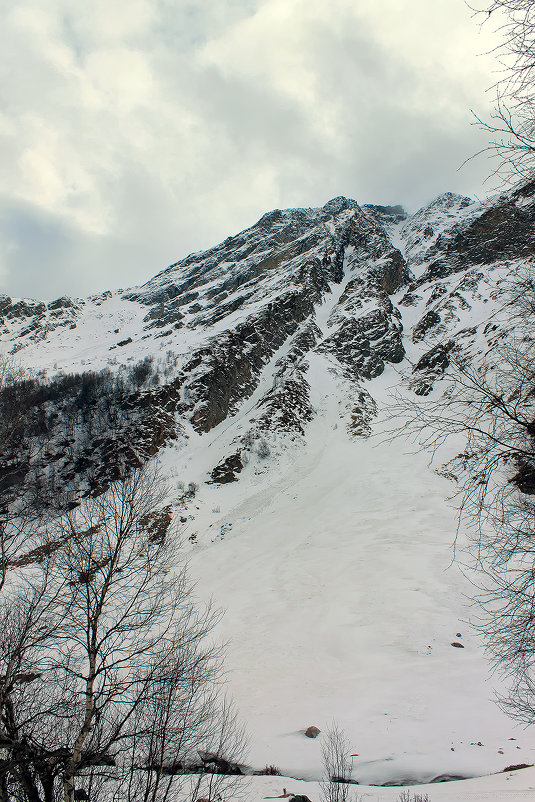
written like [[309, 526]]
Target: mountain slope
[[267, 364]]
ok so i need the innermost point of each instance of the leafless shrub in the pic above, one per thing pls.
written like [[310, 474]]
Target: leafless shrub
[[271, 770], [406, 796], [336, 784]]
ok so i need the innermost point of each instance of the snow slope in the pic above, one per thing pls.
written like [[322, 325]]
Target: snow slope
[[334, 567], [331, 553]]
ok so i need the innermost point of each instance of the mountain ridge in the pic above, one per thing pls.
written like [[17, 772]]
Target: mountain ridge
[[220, 316], [257, 373]]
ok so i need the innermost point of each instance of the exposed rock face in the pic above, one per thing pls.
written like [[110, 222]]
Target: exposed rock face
[[365, 344], [431, 366], [363, 412], [427, 322], [242, 324], [227, 370], [504, 230], [226, 471], [37, 319]]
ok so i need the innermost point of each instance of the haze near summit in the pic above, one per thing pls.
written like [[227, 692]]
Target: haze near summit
[[135, 133]]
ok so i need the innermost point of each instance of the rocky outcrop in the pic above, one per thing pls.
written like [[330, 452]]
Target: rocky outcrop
[[363, 411], [431, 366], [228, 469], [504, 230], [366, 343], [224, 373], [243, 323], [425, 324], [36, 320]]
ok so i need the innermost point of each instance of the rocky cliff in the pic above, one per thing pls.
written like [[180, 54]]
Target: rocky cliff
[[363, 286]]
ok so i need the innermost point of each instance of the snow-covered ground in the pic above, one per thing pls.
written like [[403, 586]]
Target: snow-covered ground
[[514, 786], [333, 564]]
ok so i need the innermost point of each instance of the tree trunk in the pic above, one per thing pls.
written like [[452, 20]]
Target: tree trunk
[[74, 763]]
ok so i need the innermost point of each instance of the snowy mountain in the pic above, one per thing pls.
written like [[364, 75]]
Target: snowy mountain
[[257, 372]]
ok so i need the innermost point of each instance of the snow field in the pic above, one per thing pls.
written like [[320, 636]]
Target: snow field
[[341, 604]]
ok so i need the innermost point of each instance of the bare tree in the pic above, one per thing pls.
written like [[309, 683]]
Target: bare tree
[[127, 679], [513, 123], [28, 619], [490, 408], [336, 784]]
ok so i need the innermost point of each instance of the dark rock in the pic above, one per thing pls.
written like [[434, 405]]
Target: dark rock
[[504, 230], [224, 310], [312, 731], [340, 204], [226, 471], [157, 523], [157, 296], [366, 343], [448, 778], [232, 362], [386, 213], [410, 299], [432, 365], [427, 322], [286, 407], [162, 315], [60, 303], [362, 414], [99, 299], [457, 645], [393, 273]]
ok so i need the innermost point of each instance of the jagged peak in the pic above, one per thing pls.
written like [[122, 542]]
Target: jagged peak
[[393, 211], [340, 204], [440, 211], [448, 200], [283, 216]]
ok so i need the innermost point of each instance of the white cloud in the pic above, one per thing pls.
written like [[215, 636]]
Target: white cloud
[[136, 131]]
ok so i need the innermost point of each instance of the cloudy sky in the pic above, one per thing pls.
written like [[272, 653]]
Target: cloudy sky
[[135, 131]]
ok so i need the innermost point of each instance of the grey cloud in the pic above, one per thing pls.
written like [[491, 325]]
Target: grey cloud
[[138, 133]]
